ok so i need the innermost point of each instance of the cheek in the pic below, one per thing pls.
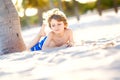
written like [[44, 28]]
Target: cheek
[[64, 26], [52, 28]]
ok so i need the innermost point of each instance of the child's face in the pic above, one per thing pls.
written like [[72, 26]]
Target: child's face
[[57, 26]]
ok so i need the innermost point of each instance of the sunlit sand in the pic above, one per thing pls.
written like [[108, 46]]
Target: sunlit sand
[[89, 59]]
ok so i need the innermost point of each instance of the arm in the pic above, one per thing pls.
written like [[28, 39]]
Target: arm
[[71, 40], [48, 43], [41, 33]]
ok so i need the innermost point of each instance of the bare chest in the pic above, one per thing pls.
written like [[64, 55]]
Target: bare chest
[[59, 41]]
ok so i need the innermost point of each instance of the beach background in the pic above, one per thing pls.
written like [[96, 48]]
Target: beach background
[[89, 59]]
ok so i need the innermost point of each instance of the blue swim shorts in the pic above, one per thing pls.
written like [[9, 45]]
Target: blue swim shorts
[[39, 45]]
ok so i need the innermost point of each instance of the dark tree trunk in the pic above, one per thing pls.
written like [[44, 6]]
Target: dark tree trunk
[[51, 4], [99, 7], [115, 6], [60, 5], [76, 9], [40, 16]]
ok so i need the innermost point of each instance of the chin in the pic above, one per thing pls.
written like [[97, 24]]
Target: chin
[[57, 32]]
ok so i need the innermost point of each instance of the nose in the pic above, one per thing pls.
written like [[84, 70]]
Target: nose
[[55, 27]]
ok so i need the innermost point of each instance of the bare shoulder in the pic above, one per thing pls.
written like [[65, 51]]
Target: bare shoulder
[[50, 34], [68, 30]]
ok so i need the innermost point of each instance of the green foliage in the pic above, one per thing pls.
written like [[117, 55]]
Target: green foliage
[[68, 8], [107, 4], [33, 19], [26, 21], [85, 7], [35, 3], [118, 2], [23, 21]]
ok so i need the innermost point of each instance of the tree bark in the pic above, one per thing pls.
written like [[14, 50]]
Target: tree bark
[[40, 16], [115, 6], [10, 29], [51, 4], [99, 7], [60, 5], [76, 9]]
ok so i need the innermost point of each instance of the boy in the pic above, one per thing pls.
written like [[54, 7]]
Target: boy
[[60, 34]]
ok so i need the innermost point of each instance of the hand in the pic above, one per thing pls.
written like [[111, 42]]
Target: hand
[[70, 44], [42, 33]]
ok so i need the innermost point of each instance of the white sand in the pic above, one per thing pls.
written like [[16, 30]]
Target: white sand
[[81, 62]]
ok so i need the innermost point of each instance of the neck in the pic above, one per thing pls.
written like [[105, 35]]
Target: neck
[[60, 34]]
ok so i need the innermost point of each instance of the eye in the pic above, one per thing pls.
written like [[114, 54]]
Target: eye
[[53, 25]]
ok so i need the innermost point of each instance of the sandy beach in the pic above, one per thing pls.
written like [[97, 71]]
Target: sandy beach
[[89, 59]]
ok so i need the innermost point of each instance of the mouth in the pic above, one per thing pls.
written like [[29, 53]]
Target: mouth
[[57, 30]]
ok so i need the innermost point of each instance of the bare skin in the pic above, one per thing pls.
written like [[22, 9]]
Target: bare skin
[[59, 36], [41, 33]]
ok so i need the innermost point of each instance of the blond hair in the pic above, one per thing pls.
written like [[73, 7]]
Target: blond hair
[[55, 14]]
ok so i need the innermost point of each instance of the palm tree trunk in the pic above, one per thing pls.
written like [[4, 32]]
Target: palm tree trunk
[[51, 4], [76, 9], [10, 29], [60, 5], [115, 6], [40, 16], [99, 7]]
